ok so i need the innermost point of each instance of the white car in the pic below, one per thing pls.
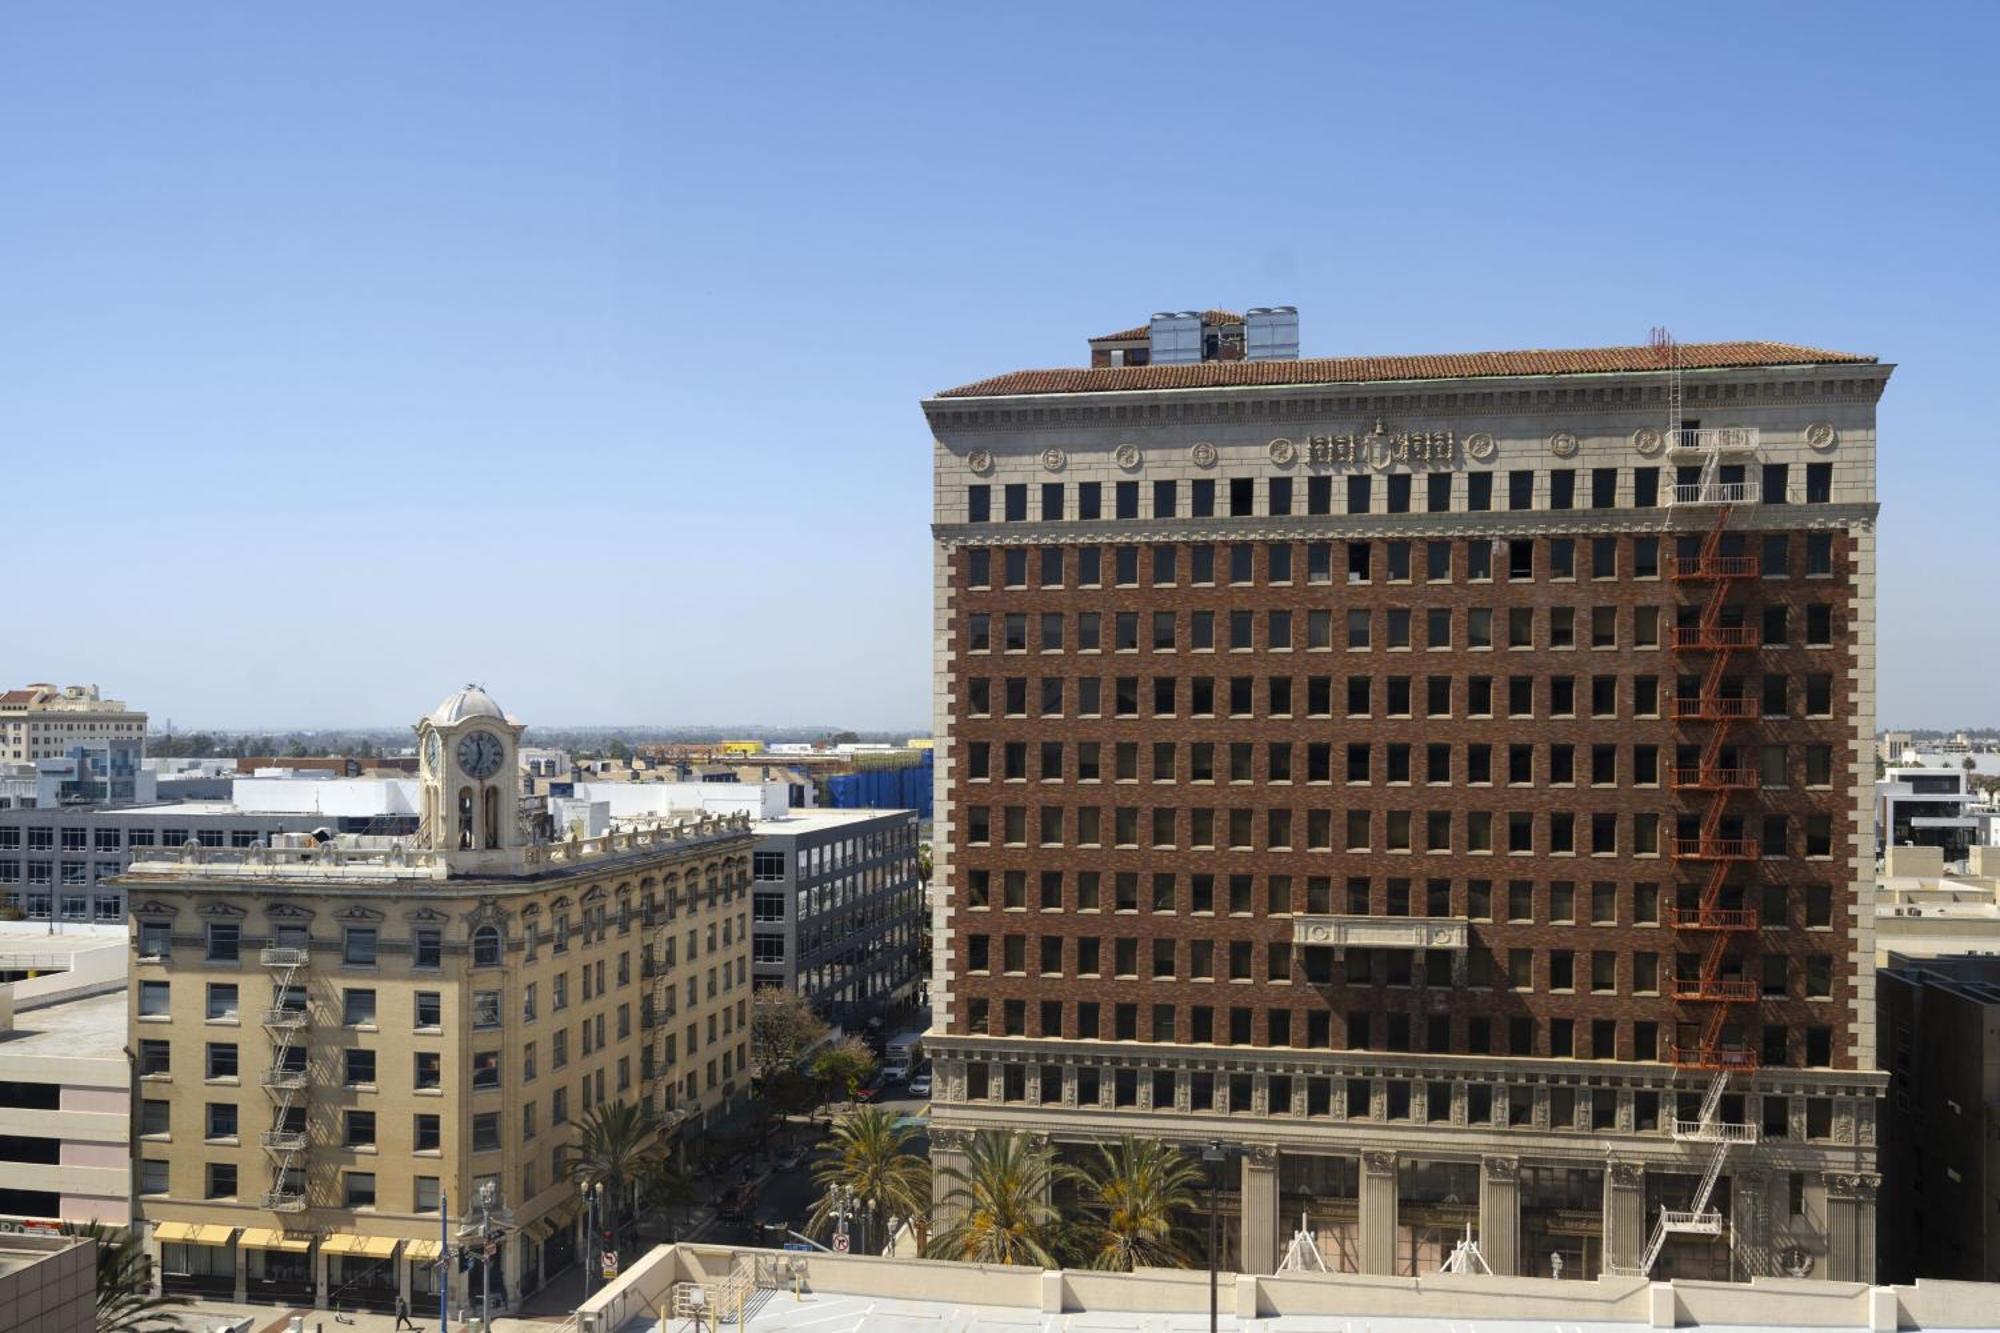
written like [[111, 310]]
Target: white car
[[920, 1086]]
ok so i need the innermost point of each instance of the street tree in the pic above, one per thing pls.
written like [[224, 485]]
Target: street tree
[[125, 1299], [783, 1028], [1136, 1195], [996, 1207], [845, 1065], [616, 1146], [868, 1157]]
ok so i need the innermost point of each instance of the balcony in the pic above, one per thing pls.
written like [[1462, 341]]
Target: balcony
[[1713, 710], [285, 1200], [1719, 441], [1715, 990], [1711, 918], [1382, 932], [1688, 494], [1714, 849], [285, 1140], [287, 1018], [1713, 637], [1734, 1058], [1714, 779], [285, 1079], [1683, 568], [1713, 1131], [282, 957]]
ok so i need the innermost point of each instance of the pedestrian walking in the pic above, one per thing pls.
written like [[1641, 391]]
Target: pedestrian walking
[[403, 1313]]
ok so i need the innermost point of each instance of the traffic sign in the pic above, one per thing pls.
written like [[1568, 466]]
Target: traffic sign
[[608, 1260], [840, 1242], [798, 1246]]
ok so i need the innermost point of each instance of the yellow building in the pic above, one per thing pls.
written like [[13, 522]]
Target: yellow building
[[339, 1040]]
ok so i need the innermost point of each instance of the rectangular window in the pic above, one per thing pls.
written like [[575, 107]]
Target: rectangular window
[[358, 949]]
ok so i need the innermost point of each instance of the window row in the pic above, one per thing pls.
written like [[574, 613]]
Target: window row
[[1397, 493], [1361, 561], [1518, 902], [1469, 832], [1521, 1035]]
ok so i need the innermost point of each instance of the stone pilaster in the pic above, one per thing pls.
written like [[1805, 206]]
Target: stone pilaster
[[1258, 1252], [1378, 1212], [1625, 1220], [1500, 1214]]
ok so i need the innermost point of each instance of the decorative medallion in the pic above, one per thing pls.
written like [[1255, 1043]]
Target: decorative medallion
[[980, 461], [1128, 456], [1648, 440], [1479, 446], [1563, 444], [1053, 459], [1203, 454], [1283, 451], [1821, 435]]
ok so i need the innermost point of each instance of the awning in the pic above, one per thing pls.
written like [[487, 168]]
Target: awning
[[423, 1251], [538, 1230], [368, 1247], [191, 1233], [257, 1238]]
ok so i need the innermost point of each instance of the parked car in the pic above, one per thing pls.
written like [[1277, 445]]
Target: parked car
[[920, 1086]]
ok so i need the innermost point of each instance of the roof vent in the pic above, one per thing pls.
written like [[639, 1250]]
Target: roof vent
[[1271, 333], [1175, 338]]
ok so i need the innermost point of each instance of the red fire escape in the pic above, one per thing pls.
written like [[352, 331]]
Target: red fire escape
[[1706, 722]]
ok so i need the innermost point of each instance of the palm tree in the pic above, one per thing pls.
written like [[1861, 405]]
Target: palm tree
[[616, 1145], [1135, 1195], [868, 1156], [125, 1300], [997, 1204]]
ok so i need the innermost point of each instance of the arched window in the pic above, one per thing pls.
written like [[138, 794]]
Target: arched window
[[486, 946], [492, 821], [465, 842]]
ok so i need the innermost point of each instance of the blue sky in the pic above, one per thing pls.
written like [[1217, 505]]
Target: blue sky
[[352, 352]]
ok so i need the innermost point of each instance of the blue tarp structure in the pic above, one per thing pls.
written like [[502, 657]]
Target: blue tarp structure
[[905, 787]]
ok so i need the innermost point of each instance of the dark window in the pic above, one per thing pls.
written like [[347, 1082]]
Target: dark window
[[978, 504], [1017, 502], [1242, 496], [1164, 499], [1437, 499], [1202, 499], [1645, 487], [1603, 487], [1052, 501], [1775, 476], [1520, 490], [1359, 494], [1089, 504], [1319, 495], [1399, 493], [1479, 491], [1819, 483], [1281, 495], [1562, 488], [1126, 498]]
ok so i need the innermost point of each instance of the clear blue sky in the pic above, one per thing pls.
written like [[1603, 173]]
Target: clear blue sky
[[351, 352]]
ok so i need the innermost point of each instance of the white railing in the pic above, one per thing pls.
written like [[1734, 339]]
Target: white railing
[[1714, 440], [285, 1140], [279, 956], [1712, 492], [1713, 1131]]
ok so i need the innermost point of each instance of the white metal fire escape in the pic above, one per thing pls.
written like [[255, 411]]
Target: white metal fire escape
[[1699, 1219], [287, 1079]]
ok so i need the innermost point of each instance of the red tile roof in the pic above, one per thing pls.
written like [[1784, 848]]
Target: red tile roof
[[1145, 330], [1369, 369]]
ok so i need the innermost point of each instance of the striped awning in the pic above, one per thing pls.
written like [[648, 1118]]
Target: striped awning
[[368, 1247], [257, 1238], [423, 1251], [191, 1233]]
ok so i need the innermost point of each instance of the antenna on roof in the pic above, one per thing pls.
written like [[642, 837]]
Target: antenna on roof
[[1669, 353]]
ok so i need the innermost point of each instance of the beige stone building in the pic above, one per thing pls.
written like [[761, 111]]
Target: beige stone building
[[339, 1041], [42, 721]]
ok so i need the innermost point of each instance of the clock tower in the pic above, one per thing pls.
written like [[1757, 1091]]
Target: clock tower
[[469, 751]]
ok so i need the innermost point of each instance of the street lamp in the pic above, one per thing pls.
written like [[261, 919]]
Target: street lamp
[[1213, 1155], [593, 1203], [487, 1224]]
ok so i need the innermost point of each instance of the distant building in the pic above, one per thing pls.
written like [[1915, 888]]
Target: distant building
[[43, 721], [1940, 1207], [1926, 807]]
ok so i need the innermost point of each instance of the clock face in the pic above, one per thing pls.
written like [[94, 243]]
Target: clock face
[[479, 754], [433, 754]]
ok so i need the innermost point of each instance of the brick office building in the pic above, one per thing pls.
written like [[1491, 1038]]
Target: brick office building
[[1441, 776]]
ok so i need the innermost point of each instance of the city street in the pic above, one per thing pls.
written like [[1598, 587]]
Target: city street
[[786, 1198]]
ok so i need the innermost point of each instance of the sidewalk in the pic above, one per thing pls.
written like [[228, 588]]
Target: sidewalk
[[203, 1316]]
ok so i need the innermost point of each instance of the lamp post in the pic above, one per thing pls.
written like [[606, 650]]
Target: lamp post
[[487, 1223], [593, 1201], [1212, 1156]]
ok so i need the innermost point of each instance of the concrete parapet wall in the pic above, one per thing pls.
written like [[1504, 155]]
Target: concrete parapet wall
[[1774, 1303]]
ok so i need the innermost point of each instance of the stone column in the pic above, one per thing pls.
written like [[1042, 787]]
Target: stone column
[[512, 1250], [1500, 1214], [1850, 1226], [403, 1262], [947, 1151], [1259, 1250], [1750, 1224], [1378, 1212], [1625, 1220], [319, 1278], [242, 1295]]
